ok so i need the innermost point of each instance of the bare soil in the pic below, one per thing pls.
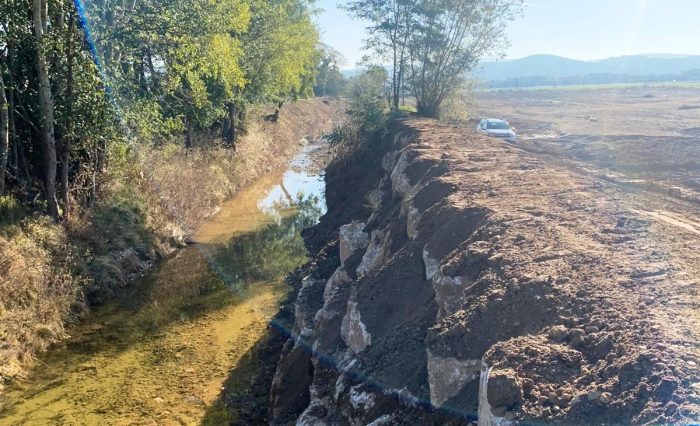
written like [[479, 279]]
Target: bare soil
[[572, 278]]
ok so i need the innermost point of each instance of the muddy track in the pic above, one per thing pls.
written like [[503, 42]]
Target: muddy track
[[474, 280]]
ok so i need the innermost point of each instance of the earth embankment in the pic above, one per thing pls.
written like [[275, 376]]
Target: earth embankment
[[462, 278]]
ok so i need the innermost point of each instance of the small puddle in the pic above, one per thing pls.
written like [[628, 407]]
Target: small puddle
[[161, 353]]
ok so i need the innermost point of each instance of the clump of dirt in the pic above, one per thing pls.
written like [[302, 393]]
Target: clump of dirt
[[473, 261]]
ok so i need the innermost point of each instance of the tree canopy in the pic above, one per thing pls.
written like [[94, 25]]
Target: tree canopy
[[78, 80], [431, 45]]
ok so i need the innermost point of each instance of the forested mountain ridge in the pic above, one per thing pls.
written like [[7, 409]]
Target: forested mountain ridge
[[557, 69]]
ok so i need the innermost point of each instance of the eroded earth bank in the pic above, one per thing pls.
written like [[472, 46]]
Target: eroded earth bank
[[459, 278]]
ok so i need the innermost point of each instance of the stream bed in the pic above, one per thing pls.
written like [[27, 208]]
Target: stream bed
[[161, 352]]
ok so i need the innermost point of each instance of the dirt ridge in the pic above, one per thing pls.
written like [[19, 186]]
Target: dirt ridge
[[469, 279]]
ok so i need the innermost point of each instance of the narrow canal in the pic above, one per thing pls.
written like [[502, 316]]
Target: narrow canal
[[161, 352]]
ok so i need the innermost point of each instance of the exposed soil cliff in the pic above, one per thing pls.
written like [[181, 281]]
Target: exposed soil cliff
[[459, 277]]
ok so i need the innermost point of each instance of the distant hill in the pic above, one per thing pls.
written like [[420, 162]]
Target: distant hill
[[551, 67]]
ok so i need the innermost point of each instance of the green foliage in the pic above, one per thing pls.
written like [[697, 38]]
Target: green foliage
[[431, 45], [11, 212], [279, 52], [168, 70], [366, 111], [367, 107], [272, 251], [329, 80]]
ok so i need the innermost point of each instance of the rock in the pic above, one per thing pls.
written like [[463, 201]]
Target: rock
[[594, 395], [496, 259], [510, 415], [352, 237], [605, 398], [374, 256], [671, 409], [499, 411], [448, 375], [503, 388], [353, 330], [591, 329], [576, 336], [558, 333]]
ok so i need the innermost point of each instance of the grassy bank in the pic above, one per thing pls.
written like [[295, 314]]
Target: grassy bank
[[153, 198]]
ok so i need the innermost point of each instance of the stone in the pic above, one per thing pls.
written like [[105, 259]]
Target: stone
[[352, 238], [591, 329], [374, 256], [664, 390], [558, 333], [496, 260], [353, 330], [594, 395], [605, 397], [503, 388], [448, 375], [499, 411]]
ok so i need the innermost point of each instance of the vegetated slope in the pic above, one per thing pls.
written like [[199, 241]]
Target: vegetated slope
[[459, 276], [49, 273]]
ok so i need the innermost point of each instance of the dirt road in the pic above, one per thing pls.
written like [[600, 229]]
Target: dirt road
[[641, 148]]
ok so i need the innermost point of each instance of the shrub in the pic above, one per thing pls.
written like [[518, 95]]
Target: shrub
[[11, 212], [367, 109]]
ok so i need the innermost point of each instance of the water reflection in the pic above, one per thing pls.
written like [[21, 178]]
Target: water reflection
[[272, 251]]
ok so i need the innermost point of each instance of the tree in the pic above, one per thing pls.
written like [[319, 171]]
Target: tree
[[4, 127], [391, 26], [146, 72], [329, 79], [46, 105], [280, 52], [450, 38], [432, 44]]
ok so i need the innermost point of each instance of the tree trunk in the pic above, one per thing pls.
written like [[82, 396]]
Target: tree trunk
[[188, 133], [46, 108], [15, 145], [276, 114], [242, 119], [66, 139], [231, 134], [4, 129]]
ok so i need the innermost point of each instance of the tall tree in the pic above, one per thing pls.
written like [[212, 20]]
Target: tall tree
[[329, 79], [46, 107], [4, 126], [450, 38], [391, 26]]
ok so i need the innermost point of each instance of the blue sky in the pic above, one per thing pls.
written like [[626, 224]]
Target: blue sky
[[579, 29]]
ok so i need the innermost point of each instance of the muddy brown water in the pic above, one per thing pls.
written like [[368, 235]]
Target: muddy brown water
[[160, 354]]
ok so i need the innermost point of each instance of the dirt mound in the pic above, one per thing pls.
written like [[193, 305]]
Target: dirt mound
[[474, 280]]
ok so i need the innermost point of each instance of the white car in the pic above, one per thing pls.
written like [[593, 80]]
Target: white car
[[497, 128]]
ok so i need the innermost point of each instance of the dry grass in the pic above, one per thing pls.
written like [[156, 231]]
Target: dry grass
[[39, 289], [192, 183]]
